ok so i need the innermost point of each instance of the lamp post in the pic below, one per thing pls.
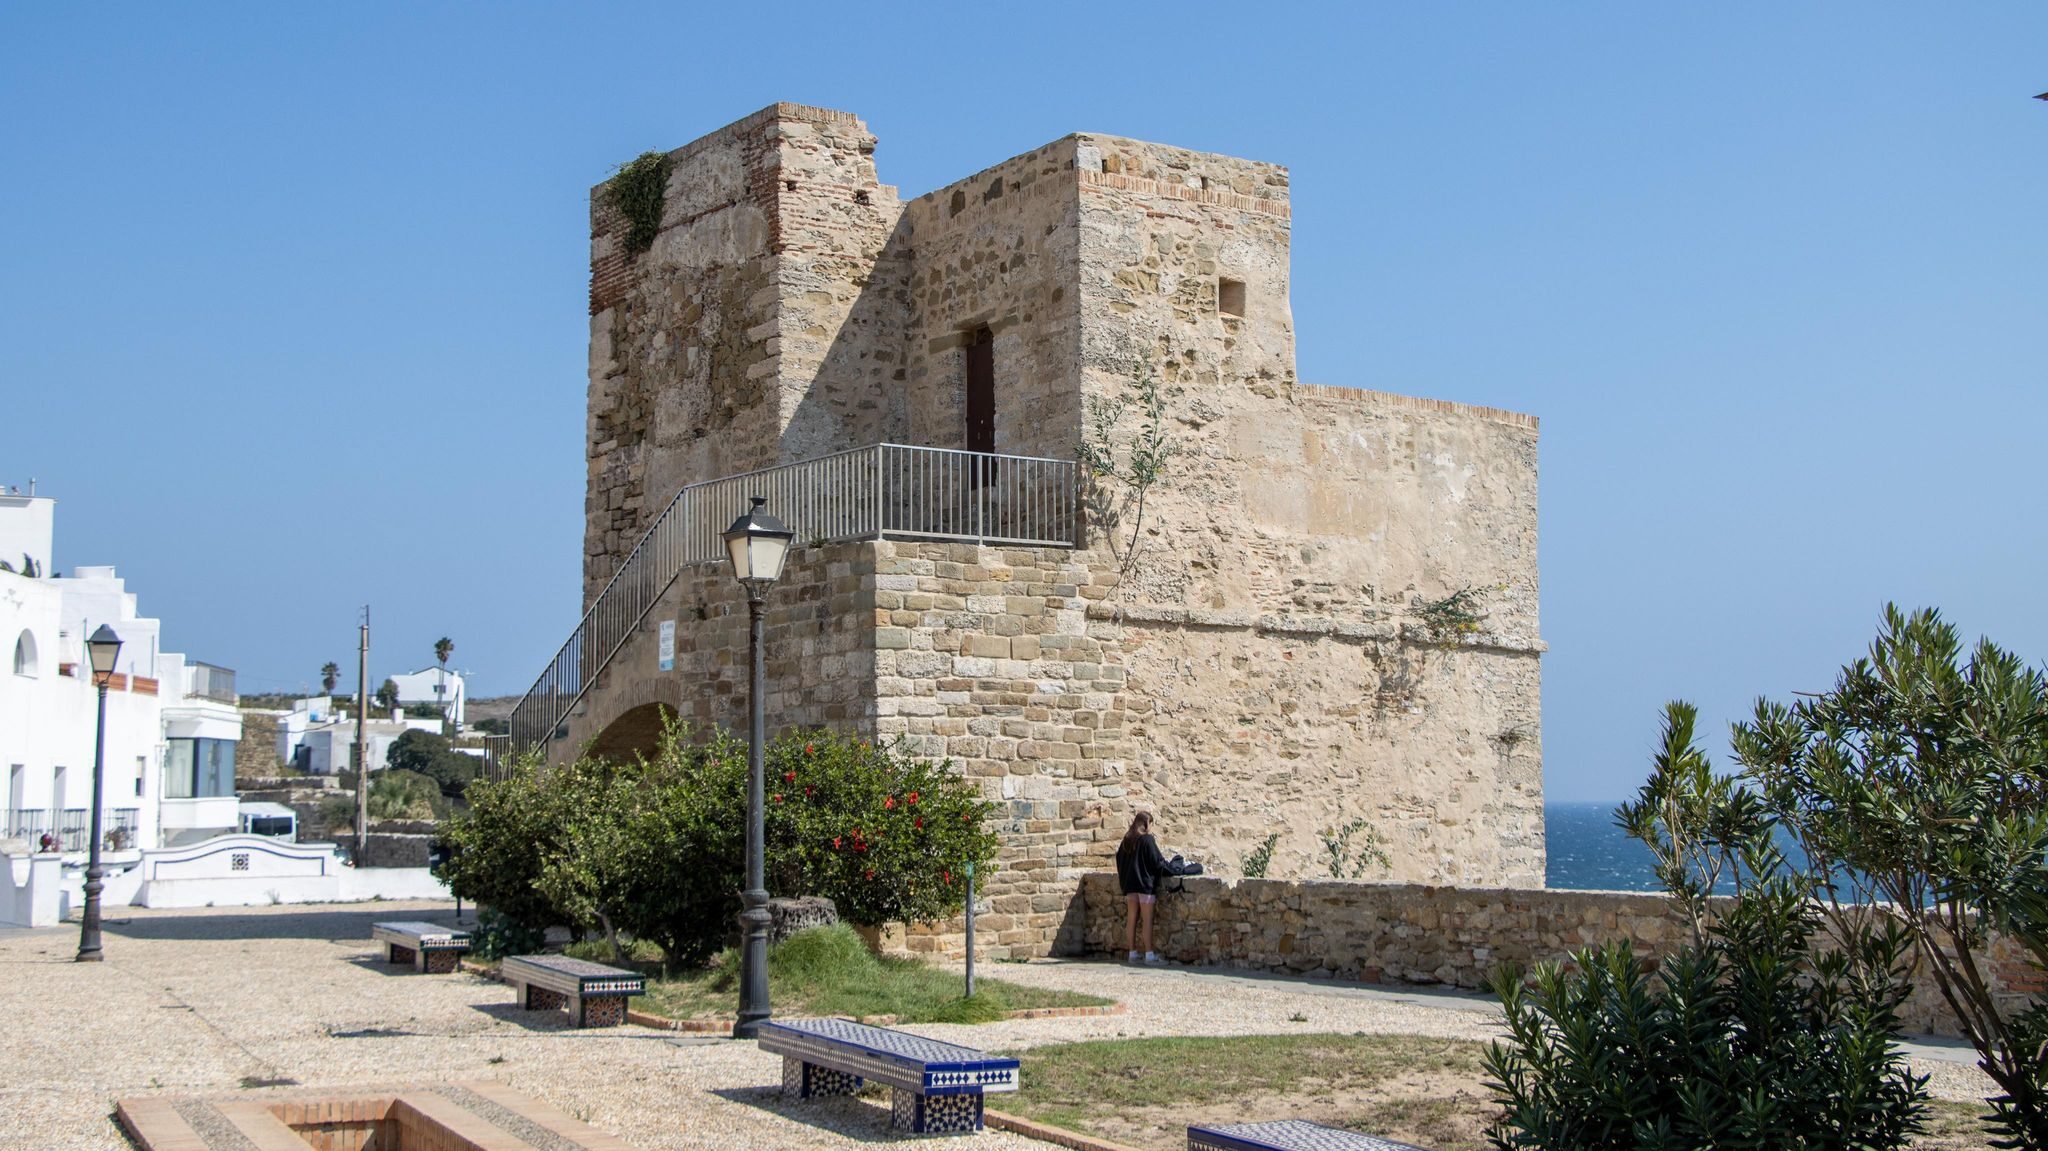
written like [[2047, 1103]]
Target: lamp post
[[758, 543], [103, 648]]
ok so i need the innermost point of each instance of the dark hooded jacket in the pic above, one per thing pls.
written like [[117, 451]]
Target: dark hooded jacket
[[1139, 866]]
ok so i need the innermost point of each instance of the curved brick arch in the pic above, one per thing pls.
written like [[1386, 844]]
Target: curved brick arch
[[620, 722]]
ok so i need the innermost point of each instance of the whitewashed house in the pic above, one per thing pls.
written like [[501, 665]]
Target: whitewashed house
[[317, 737], [171, 725], [434, 686]]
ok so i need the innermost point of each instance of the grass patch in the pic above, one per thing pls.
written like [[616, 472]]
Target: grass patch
[[1429, 1092], [1146, 1091], [829, 971]]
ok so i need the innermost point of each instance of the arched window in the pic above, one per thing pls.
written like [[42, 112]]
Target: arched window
[[25, 654]]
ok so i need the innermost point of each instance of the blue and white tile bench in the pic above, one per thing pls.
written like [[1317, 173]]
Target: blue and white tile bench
[[1287, 1135], [594, 994], [935, 1088], [429, 947]]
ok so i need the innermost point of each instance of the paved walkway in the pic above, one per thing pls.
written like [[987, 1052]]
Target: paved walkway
[[217, 1001]]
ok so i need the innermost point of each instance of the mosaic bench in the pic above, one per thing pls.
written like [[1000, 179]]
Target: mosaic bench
[[934, 1088], [1287, 1135], [594, 994], [429, 947]]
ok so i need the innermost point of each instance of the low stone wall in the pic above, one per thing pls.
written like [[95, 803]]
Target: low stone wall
[[1411, 933]]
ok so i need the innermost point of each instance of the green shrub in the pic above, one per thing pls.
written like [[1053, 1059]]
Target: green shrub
[[1917, 788], [883, 835], [405, 795], [495, 848], [654, 849], [498, 935], [1754, 1035], [433, 756]]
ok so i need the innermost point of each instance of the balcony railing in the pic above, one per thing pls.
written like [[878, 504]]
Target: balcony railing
[[885, 491], [117, 828], [210, 682], [29, 825]]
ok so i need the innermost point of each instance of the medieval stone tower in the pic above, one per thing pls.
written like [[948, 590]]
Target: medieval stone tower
[[1331, 616]]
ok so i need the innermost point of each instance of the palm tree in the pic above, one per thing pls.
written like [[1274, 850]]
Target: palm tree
[[443, 648], [330, 674]]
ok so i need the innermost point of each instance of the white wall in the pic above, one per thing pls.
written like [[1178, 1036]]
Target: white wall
[[47, 719], [418, 687], [30, 894], [27, 527]]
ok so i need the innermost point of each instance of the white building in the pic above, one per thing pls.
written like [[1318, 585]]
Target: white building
[[436, 687], [168, 772], [319, 738]]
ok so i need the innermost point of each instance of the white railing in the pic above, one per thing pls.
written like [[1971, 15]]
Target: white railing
[[884, 491]]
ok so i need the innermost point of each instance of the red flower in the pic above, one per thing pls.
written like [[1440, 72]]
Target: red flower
[[860, 846], [835, 843], [808, 791], [947, 876], [810, 749], [889, 803], [870, 873], [789, 777], [913, 799], [778, 797], [920, 821]]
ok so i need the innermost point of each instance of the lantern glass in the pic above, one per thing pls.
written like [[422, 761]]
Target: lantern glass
[[758, 544], [103, 648]]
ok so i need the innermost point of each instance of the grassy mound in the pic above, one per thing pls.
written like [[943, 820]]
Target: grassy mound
[[830, 971]]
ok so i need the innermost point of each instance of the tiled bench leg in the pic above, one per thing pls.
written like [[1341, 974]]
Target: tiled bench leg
[[934, 1114], [603, 1011], [536, 998], [441, 962], [801, 1080], [400, 954]]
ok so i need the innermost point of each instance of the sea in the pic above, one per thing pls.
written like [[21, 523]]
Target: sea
[[1588, 853]]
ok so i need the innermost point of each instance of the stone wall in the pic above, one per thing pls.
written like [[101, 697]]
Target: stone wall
[[1410, 933], [682, 378], [999, 249], [818, 636]]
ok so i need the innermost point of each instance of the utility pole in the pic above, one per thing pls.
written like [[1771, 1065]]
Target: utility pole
[[363, 743]]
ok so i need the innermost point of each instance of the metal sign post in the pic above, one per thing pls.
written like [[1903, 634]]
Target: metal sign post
[[970, 929]]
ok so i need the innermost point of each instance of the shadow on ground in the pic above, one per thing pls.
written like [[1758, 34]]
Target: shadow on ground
[[852, 1118], [326, 923]]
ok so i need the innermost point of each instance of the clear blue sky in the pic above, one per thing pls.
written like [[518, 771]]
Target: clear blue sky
[[292, 297]]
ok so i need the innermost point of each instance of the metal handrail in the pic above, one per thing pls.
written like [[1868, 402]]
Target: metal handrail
[[887, 490]]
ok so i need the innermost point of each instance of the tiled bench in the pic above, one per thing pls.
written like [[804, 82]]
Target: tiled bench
[[1287, 1135], [429, 947], [935, 1088], [594, 994]]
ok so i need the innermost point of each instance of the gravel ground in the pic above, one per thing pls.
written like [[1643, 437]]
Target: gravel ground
[[200, 1002], [220, 1000]]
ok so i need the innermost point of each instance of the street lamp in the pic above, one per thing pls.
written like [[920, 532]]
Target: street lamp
[[758, 543], [103, 648]]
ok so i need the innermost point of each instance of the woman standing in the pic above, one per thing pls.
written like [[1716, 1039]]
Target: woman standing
[[1138, 868]]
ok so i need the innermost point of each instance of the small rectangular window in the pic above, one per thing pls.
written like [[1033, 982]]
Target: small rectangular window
[[1230, 297]]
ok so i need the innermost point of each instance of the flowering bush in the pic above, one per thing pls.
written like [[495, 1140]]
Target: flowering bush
[[886, 837]]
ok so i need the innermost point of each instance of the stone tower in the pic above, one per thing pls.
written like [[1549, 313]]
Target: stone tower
[[1332, 613]]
